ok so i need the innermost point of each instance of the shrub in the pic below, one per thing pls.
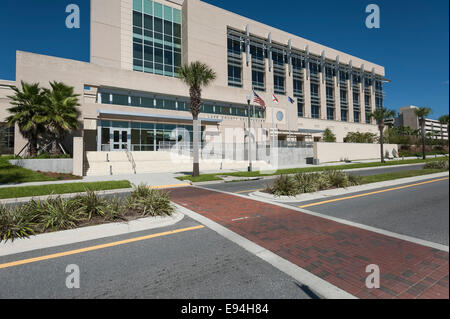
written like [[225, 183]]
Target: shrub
[[116, 209], [58, 214], [283, 186], [16, 223], [90, 205], [307, 183], [154, 203], [337, 179], [355, 180], [440, 164]]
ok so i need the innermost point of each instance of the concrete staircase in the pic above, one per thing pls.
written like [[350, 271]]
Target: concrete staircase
[[123, 163]]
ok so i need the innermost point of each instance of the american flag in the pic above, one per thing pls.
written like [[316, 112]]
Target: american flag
[[259, 100]]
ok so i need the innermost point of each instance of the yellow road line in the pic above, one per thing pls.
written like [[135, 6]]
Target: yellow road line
[[372, 193], [108, 245]]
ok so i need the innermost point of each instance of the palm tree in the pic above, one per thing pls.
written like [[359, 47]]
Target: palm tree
[[60, 112], [196, 75], [26, 113], [444, 120], [380, 115], [422, 113]]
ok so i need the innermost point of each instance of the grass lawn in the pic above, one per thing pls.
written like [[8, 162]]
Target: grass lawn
[[29, 191], [14, 174], [213, 177], [398, 175]]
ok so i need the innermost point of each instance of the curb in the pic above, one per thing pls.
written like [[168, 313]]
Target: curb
[[343, 191], [84, 234]]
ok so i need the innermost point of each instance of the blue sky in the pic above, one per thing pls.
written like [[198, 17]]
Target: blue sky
[[412, 43]]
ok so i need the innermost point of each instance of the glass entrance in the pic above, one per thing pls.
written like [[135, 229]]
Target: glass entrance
[[120, 140]]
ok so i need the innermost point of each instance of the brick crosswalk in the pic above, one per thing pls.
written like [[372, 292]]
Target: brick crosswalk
[[335, 252]]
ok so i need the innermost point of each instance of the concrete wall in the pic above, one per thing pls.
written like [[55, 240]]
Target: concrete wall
[[64, 166], [336, 152]]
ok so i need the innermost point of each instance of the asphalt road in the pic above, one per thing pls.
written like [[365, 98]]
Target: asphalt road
[[420, 211], [248, 187], [193, 264]]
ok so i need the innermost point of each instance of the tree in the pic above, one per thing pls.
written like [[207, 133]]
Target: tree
[[380, 115], [328, 136], [27, 113], [196, 75], [444, 120], [422, 113], [60, 112]]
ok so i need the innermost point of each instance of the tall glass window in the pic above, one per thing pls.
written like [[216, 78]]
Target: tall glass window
[[234, 61], [258, 67], [156, 38], [300, 109], [278, 71]]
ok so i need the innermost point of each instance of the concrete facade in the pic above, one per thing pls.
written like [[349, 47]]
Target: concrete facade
[[205, 29]]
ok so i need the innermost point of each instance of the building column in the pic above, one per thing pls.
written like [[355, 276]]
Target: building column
[[362, 103], [351, 118], [247, 83], [337, 99], [323, 96], [291, 109], [372, 101], [307, 95]]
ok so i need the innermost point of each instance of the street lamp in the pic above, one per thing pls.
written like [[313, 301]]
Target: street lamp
[[249, 99]]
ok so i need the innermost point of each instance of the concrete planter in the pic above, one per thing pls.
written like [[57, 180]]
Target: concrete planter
[[57, 165]]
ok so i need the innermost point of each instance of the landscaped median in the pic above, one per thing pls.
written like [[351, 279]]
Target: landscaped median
[[56, 214], [303, 186], [290, 171]]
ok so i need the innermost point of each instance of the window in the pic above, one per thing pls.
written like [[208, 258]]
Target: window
[[330, 113], [234, 76], [298, 88], [344, 115], [355, 98], [258, 67], [356, 116], [314, 90], [258, 80], [315, 111], [344, 96], [330, 93], [234, 62], [172, 103], [378, 102], [158, 28], [278, 83], [300, 109]]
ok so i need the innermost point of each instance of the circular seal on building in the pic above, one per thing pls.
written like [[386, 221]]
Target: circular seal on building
[[280, 116]]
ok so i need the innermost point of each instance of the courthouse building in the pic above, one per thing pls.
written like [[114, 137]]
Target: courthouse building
[[131, 98]]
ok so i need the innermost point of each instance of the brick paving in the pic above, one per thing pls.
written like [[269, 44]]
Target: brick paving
[[335, 252]]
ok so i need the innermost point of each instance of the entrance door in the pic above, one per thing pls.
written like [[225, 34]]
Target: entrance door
[[120, 140]]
